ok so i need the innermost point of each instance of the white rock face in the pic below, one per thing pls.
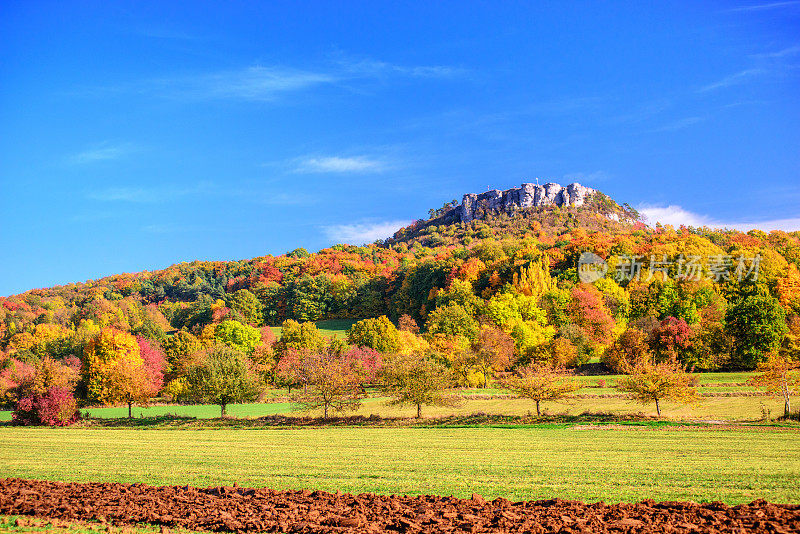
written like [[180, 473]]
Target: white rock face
[[526, 196]]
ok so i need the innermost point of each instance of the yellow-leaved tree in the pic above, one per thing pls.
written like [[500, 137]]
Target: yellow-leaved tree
[[541, 382], [654, 382], [779, 376], [114, 369], [534, 279]]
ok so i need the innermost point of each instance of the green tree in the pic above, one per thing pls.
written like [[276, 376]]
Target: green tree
[[452, 320], [248, 305], [309, 297], [238, 336], [300, 336], [223, 376], [460, 292], [507, 309], [415, 380], [179, 349], [757, 323], [378, 333]]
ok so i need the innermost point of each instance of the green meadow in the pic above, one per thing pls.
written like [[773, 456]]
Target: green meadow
[[330, 327], [612, 463]]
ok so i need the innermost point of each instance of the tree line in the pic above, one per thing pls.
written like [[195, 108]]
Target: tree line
[[487, 298]]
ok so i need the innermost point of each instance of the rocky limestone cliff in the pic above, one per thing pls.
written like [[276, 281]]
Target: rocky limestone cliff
[[475, 206]]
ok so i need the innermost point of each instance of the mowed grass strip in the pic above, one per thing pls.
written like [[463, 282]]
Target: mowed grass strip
[[16, 523], [588, 464]]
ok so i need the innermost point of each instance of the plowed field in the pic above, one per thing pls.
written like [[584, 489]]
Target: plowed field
[[263, 510]]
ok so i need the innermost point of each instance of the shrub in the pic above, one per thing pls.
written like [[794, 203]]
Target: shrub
[[41, 394], [57, 407]]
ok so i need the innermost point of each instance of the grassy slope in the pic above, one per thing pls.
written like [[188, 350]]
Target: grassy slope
[[612, 464], [330, 327]]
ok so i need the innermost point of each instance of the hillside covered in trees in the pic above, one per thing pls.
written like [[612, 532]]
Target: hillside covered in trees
[[707, 298]]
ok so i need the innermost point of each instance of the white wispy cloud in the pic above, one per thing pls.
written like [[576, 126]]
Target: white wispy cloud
[[101, 152], [734, 79], [677, 216], [674, 215], [357, 234], [251, 83], [279, 199], [268, 82], [763, 7], [338, 164], [779, 54], [159, 228], [125, 194], [370, 68], [680, 124]]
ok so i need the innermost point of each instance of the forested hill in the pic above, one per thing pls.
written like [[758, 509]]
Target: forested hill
[[470, 270]]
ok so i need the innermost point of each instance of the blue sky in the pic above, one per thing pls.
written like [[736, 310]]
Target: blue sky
[[140, 134]]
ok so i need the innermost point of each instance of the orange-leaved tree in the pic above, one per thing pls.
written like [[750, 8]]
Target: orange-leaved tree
[[654, 382], [493, 351], [334, 381], [100, 357], [121, 369]]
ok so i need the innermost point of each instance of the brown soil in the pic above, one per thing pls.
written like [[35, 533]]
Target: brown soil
[[258, 510]]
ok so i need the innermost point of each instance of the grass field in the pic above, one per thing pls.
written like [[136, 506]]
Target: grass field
[[331, 327], [575, 462], [13, 523]]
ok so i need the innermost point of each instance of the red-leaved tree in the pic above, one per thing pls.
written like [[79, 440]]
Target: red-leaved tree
[[672, 339], [41, 393], [366, 362]]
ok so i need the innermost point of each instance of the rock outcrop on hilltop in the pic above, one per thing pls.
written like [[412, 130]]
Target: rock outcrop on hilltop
[[476, 206]]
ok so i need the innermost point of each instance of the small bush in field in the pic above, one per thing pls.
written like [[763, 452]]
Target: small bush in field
[[41, 393], [57, 407]]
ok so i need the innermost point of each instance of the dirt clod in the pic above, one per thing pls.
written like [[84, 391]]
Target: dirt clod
[[264, 510]]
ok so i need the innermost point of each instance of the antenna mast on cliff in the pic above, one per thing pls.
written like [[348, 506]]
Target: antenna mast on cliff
[[537, 180]]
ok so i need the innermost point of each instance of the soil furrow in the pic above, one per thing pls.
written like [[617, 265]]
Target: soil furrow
[[263, 510]]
